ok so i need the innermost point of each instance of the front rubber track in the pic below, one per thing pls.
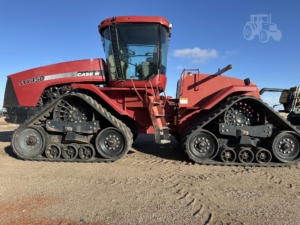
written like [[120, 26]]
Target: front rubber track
[[40, 118]]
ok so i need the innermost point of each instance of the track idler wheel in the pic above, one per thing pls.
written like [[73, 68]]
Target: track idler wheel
[[29, 142], [53, 151], [227, 155], [285, 146], [70, 151], [245, 155], [86, 152], [263, 155], [111, 143], [201, 145]]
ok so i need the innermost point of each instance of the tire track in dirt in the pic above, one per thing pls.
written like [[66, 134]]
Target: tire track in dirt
[[190, 198], [180, 186], [172, 180], [194, 206], [195, 199]]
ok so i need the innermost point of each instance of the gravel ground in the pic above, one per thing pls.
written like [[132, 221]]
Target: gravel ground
[[153, 184]]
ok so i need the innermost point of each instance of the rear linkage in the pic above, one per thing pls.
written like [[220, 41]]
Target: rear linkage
[[73, 134]]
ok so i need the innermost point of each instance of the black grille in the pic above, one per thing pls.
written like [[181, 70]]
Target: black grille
[[10, 98]]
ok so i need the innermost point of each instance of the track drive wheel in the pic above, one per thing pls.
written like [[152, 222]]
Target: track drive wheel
[[285, 146], [111, 143], [74, 110], [201, 145], [244, 113], [29, 142]]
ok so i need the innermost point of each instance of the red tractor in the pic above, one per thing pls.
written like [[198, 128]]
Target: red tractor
[[92, 110]]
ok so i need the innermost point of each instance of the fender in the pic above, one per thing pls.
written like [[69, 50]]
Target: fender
[[201, 92], [231, 91], [97, 91]]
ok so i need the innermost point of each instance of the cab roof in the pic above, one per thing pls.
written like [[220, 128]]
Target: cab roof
[[133, 19]]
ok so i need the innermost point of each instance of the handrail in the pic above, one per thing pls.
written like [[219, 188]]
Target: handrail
[[135, 89], [183, 73], [159, 84], [147, 88]]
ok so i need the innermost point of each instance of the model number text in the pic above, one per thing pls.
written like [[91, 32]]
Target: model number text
[[31, 80]]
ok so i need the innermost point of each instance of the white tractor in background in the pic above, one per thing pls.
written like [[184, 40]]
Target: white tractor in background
[[261, 25]]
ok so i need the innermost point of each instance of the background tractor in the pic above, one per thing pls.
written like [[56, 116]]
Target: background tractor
[[261, 25], [92, 110]]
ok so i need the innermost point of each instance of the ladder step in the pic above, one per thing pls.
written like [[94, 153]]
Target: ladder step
[[162, 135], [163, 141], [164, 128]]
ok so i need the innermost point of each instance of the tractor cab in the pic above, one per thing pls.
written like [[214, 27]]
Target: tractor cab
[[263, 18], [136, 50]]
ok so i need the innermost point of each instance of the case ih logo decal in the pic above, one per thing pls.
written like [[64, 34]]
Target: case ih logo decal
[[32, 80], [88, 73]]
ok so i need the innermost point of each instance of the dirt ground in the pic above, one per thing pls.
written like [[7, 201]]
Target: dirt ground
[[153, 184]]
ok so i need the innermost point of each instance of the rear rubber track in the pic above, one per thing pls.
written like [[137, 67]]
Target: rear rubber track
[[272, 117]]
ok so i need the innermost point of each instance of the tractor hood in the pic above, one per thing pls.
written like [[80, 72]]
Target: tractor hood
[[34, 81]]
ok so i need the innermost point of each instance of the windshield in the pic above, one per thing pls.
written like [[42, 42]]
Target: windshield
[[133, 50]]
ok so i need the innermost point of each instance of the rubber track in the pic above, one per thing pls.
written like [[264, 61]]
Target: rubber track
[[45, 112], [273, 117]]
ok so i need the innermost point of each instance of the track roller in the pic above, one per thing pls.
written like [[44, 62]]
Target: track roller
[[70, 151], [86, 152], [227, 154], [245, 155], [262, 155], [53, 151]]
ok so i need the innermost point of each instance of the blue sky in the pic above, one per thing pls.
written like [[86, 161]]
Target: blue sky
[[205, 34]]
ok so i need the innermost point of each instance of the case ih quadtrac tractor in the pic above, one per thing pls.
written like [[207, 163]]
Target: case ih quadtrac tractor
[[92, 110]]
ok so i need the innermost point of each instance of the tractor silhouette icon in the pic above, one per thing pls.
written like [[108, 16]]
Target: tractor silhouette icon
[[261, 25]]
